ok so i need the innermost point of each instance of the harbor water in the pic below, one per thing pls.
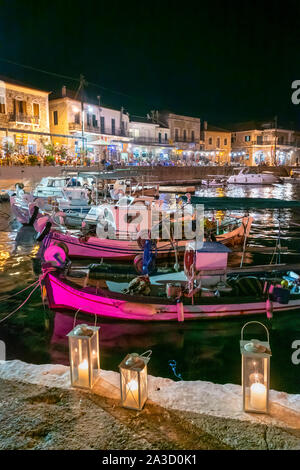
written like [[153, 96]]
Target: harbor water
[[204, 350]]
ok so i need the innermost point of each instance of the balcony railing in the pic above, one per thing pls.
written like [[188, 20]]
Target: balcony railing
[[266, 142], [148, 141], [187, 140], [74, 126], [24, 118]]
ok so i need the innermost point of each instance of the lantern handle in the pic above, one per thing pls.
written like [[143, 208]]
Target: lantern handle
[[248, 323], [75, 316], [146, 353]]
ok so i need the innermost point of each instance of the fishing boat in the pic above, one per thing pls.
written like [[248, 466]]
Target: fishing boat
[[246, 177], [207, 289], [231, 233]]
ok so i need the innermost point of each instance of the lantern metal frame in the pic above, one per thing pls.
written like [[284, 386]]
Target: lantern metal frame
[[263, 354], [92, 352], [134, 364]]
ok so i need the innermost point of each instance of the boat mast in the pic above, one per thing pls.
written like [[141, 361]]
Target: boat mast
[[275, 137], [82, 83]]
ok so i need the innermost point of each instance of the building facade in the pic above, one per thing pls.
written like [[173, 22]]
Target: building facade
[[24, 117], [264, 143], [100, 132], [216, 143], [149, 140], [184, 133]]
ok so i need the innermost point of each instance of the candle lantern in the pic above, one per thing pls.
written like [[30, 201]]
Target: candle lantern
[[133, 380], [255, 372], [84, 355]]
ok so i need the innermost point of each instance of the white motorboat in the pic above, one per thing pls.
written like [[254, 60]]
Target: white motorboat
[[54, 186], [245, 177], [75, 201]]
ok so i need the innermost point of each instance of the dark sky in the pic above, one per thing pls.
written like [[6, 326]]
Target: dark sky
[[222, 61]]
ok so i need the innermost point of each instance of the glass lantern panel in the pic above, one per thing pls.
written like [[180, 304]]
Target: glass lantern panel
[[143, 386], [255, 383], [130, 389], [79, 359], [95, 356]]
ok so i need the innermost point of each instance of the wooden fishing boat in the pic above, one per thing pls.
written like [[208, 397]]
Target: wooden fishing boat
[[126, 249], [63, 293]]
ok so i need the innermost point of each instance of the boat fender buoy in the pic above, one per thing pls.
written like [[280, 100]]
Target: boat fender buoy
[[138, 263], [180, 311], [269, 308], [40, 236], [138, 308]]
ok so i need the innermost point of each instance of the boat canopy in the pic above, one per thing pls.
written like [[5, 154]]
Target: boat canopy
[[209, 247]]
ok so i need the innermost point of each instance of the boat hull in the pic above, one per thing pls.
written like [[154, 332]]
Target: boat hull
[[125, 250], [63, 295]]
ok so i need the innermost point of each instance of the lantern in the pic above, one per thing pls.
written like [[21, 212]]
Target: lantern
[[133, 380], [255, 372], [84, 355]]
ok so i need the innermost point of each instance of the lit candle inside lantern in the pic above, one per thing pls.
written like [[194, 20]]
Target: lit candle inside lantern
[[83, 373], [258, 396], [132, 392]]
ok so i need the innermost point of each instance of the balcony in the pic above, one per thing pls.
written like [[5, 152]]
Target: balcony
[[187, 140], [74, 126], [23, 118], [149, 141], [272, 142]]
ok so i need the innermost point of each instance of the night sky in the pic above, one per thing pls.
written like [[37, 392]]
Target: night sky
[[222, 61]]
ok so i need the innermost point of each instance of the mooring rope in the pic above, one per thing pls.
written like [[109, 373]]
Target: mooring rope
[[36, 284], [20, 306], [17, 293]]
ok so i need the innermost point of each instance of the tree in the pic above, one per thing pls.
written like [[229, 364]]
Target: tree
[[8, 148], [62, 151], [50, 150]]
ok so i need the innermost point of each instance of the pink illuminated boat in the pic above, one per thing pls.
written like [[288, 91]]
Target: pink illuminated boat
[[210, 290], [64, 294], [126, 250]]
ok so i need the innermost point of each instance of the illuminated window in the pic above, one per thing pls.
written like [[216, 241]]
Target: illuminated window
[[247, 138], [210, 141], [2, 105], [55, 118], [36, 110]]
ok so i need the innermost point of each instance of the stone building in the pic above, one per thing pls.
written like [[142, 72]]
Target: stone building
[[184, 132], [24, 116], [101, 131], [216, 143], [149, 140], [254, 143]]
